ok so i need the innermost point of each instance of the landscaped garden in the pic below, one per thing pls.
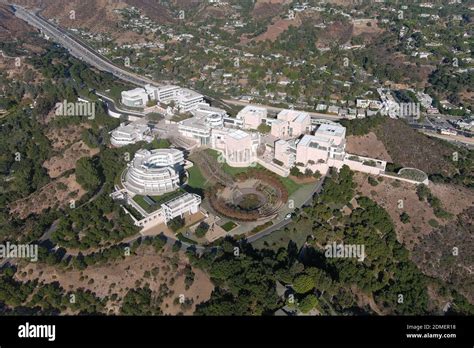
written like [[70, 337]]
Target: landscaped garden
[[255, 194], [232, 172], [196, 179], [229, 226], [152, 203]]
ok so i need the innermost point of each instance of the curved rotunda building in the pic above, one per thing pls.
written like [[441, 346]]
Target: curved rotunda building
[[154, 172]]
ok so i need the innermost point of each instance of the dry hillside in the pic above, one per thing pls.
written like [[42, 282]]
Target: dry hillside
[[416, 150]]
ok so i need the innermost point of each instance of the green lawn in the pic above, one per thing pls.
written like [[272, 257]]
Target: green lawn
[[289, 184], [141, 202], [115, 92], [298, 233], [182, 117], [159, 200], [225, 167], [229, 225], [196, 179], [233, 170]]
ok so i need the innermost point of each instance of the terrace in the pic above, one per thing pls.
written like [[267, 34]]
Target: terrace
[[152, 203]]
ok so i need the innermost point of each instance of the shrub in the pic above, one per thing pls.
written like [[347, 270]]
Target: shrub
[[372, 181], [278, 162], [433, 223], [404, 217], [202, 229]]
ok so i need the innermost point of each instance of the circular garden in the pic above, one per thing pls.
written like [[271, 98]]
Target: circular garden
[[255, 194]]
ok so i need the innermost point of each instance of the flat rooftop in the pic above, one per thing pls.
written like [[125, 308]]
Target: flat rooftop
[[331, 130], [180, 201], [253, 109], [237, 134], [309, 140], [185, 93], [208, 108], [132, 128], [292, 115], [134, 92], [195, 122]]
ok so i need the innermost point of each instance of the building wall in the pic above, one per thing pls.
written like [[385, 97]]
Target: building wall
[[141, 177], [306, 153], [189, 205], [279, 129], [113, 113], [135, 98], [239, 152], [252, 116], [252, 121], [284, 172], [156, 218], [299, 128], [188, 104], [200, 135], [282, 154]]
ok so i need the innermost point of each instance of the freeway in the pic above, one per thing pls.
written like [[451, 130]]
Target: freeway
[[82, 51], [77, 48]]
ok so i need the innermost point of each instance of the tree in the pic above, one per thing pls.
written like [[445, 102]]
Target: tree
[[295, 171], [308, 303], [264, 128], [139, 302], [320, 278], [202, 229], [176, 223], [423, 192], [372, 181], [303, 283], [404, 217], [159, 144], [87, 174]]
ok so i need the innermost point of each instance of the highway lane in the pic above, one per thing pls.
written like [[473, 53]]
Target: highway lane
[[79, 49]]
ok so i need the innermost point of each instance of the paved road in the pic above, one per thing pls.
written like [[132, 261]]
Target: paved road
[[81, 50], [78, 48], [457, 139]]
